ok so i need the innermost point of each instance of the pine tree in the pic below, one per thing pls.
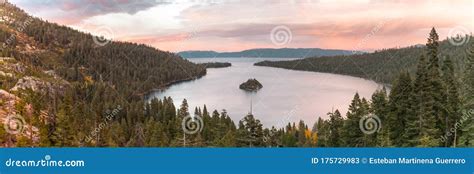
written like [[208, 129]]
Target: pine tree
[[364, 111], [273, 138], [467, 137], [352, 135], [301, 134], [241, 135], [379, 108], [253, 131], [151, 133], [419, 97], [322, 130], [207, 130], [215, 132], [184, 109], [196, 112], [433, 102], [453, 104], [335, 126], [400, 112], [63, 134]]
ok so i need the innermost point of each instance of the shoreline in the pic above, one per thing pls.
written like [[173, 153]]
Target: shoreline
[[387, 85], [169, 84]]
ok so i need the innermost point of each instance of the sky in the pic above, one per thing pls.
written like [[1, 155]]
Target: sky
[[234, 25]]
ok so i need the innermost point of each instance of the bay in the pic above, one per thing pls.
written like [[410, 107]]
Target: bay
[[286, 96]]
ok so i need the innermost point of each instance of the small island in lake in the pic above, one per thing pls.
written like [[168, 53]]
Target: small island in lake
[[216, 64], [251, 85]]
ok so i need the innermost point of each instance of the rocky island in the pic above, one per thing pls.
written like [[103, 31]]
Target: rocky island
[[251, 85]]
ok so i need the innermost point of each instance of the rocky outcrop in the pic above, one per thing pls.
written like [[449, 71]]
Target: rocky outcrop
[[10, 120], [7, 104], [30, 82], [38, 85]]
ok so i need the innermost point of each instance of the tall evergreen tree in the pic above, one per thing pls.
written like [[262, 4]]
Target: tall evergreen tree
[[432, 104], [322, 129], [184, 109], [379, 108], [301, 134], [335, 126], [400, 112], [453, 106], [467, 137], [352, 135], [251, 131], [419, 97], [63, 134]]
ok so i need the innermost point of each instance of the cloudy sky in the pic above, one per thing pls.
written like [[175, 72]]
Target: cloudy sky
[[232, 25]]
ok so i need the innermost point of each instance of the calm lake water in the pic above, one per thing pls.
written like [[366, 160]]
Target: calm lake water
[[286, 96]]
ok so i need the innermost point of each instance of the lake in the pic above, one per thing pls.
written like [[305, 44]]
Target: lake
[[286, 96]]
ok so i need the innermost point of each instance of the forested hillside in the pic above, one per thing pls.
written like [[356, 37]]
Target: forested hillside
[[67, 90], [130, 67], [38, 54], [380, 66], [429, 108]]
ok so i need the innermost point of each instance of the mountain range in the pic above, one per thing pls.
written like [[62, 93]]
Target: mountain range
[[269, 53]]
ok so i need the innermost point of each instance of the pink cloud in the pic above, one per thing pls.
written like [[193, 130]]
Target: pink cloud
[[233, 25]]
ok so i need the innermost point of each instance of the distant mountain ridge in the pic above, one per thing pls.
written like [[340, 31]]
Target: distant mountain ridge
[[269, 52]]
